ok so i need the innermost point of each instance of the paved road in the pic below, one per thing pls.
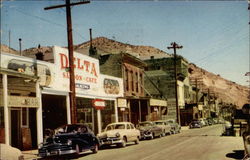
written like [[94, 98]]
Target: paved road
[[192, 144]]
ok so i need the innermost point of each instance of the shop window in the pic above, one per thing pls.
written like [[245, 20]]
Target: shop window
[[1, 117], [25, 117]]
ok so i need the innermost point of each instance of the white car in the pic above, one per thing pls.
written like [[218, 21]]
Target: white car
[[119, 134], [8, 152], [166, 128]]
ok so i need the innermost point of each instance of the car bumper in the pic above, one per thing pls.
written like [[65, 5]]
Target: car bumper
[[146, 136], [56, 153], [110, 141]]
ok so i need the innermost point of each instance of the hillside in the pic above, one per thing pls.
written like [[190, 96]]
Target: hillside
[[107, 46], [228, 91], [5, 48]]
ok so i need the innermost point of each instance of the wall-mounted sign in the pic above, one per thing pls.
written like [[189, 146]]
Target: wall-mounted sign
[[157, 102], [98, 103], [122, 102], [111, 86], [87, 73], [18, 101]]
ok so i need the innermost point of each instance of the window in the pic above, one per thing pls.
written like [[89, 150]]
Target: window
[[132, 126], [128, 126], [25, 117], [132, 80], [136, 82], [126, 79]]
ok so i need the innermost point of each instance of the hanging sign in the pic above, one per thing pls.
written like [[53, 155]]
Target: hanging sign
[[98, 104]]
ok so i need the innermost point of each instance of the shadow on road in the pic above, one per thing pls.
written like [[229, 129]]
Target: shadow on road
[[237, 154]]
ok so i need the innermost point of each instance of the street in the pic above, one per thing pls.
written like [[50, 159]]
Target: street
[[191, 144]]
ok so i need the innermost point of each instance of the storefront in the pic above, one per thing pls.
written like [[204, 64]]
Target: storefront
[[90, 85], [20, 103], [157, 109]]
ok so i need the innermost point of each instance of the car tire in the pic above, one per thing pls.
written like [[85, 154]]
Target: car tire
[[95, 149], [124, 141], [77, 149], [137, 141]]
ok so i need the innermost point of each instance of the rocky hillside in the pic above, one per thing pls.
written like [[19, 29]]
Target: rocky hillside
[[228, 91], [107, 46], [5, 48]]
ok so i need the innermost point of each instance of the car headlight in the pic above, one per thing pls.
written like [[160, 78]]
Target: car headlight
[[69, 142], [117, 134], [40, 145]]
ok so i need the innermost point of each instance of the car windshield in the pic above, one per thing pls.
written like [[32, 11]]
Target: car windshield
[[145, 124], [159, 123], [115, 126], [170, 121]]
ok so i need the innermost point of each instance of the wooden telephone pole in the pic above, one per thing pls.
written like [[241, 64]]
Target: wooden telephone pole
[[176, 46], [71, 56]]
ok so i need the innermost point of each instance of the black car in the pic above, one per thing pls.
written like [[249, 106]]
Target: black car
[[149, 130], [195, 124], [69, 139]]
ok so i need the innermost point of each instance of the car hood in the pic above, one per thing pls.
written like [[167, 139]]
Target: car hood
[[144, 128], [111, 133]]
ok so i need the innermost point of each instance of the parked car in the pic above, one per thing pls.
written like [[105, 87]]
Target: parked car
[[175, 127], [69, 139], [165, 127], [203, 122], [195, 124], [119, 134], [149, 130], [8, 152]]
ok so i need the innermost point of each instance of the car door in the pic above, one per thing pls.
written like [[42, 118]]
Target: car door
[[128, 132], [133, 132]]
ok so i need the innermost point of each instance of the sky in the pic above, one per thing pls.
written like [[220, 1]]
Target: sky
[[214, 34]]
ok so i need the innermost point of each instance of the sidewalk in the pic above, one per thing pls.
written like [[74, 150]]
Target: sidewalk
[[30, 155]]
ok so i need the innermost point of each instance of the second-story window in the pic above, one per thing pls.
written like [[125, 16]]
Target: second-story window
[[132, 81], [136, 82], [126, 79]]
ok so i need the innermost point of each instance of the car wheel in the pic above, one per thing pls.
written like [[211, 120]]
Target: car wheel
[[77, 149], [95, 149], [124, 141], [137, 141]]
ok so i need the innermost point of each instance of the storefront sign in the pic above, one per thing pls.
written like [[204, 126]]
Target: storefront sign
[[98, 103], [28, 66], [157, 102], [122, 102], [86, 69], [18, 101], [84, 110]]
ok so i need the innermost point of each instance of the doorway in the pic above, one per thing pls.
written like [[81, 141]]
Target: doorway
[[16, 134]]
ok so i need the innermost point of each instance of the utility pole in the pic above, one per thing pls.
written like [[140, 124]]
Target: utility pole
[[71, 56], [176, 46], [20, 46]]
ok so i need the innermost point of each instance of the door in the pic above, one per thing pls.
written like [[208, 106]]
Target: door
[[16, 138]]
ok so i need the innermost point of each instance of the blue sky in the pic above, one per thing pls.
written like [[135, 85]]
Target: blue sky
[[214, 34]]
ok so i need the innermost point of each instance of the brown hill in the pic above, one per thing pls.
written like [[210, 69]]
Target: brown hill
[[225, 90], [107, 46], [5, 48]]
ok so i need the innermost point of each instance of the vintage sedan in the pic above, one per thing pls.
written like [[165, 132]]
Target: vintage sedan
[[175, 127], [119, 134], [195, 124], [149, 130], [165, 126], [69, 139]]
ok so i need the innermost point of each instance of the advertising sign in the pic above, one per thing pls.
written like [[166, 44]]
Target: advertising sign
[[86, 69]]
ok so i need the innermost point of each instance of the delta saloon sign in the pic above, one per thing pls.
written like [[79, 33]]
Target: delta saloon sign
[[86, 68]]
